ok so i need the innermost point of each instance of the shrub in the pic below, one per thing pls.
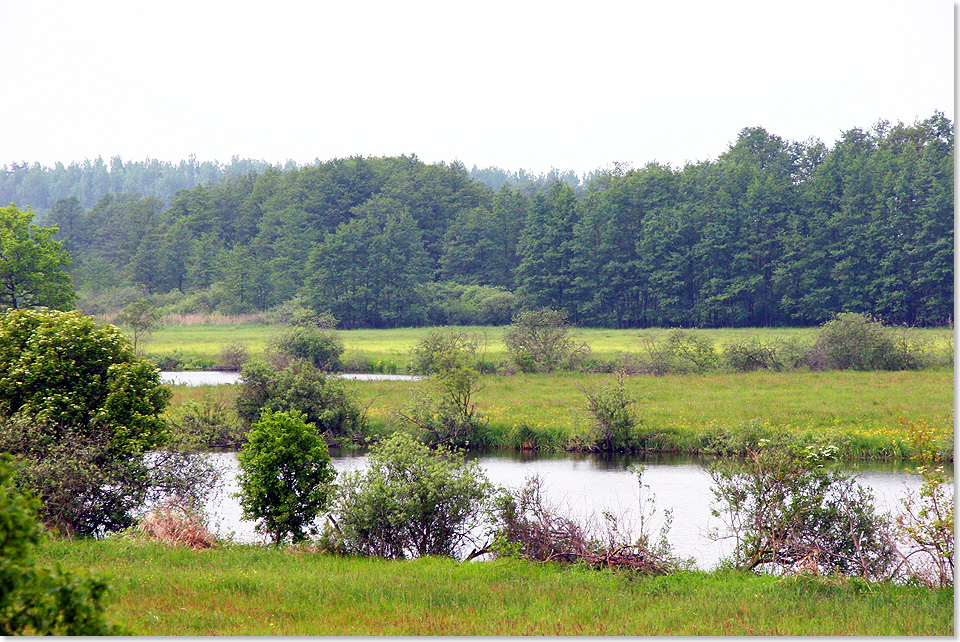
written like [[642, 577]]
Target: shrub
[[442, 349], [412, 501], [681, 352], [81, 413], [233, 356], [284, 477], [853, 341], [926, 520], [37, 600], [613, 419], [531, 528], [786, 511], [540, 341], [208, 423], [321, 348], [301, 387]]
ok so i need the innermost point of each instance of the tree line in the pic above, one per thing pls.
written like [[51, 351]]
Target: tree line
[[770, 233]]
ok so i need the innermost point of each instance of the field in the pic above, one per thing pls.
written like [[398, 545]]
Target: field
[[204, 343], [251, 590]]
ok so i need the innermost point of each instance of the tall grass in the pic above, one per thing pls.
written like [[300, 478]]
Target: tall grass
[[859, 412], [250, 590]]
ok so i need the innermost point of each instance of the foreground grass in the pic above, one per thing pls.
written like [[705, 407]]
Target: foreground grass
[[250, 590]]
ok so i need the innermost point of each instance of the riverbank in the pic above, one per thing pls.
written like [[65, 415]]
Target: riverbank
[[252, 590], [866, 415]]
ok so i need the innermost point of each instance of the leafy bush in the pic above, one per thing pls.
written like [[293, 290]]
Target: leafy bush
[[299, 386], [321, 348], [926, 520], [208, 423], [81, 413], [540, 341], [853, 341], [412, 501], [440, 349], [786, 511], [36, 600], [613, 418], [285, 475], [681, 352]]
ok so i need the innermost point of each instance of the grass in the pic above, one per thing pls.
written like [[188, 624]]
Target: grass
[[860, 412], [249, 590], [203, 343]]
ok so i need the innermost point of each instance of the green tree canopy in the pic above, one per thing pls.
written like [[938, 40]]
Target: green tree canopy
[[79, 412], [32, 264]]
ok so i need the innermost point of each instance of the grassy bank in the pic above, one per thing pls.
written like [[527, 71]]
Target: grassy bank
[[249, 590], [860, 412], [203, 344]]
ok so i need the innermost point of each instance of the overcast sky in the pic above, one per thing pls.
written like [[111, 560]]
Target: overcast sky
[[516, 84]]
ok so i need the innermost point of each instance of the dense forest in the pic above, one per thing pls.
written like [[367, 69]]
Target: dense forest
[[770, 233]]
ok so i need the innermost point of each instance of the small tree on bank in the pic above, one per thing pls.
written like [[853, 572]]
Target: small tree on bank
[[539, 340], [284, 478], [412, 501]]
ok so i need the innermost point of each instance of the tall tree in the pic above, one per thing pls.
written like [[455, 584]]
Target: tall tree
[[32, 264]]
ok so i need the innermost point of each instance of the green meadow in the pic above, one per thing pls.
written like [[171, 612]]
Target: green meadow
[[204, 343], [160, 590]]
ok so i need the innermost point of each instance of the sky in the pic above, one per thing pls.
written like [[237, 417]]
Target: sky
[[515, 84]]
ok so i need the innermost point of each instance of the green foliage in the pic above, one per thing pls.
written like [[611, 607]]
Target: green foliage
[[680, 352], [32, 265], [445, 409], [284, 477], [142, 317], [786, 511], [34, 599], [322, 348], [441, 349], [412, 501], [614, 421], [927, 518], [299, 386], [540, 341], [853, 341], [80, 412], [210, 422]]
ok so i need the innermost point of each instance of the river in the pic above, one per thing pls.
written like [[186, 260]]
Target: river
[[586, 485]]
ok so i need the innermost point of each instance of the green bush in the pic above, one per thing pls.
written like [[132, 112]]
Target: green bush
[[36, 600], [681, 352], [81, 414], [321, 347], [442, 348], [613, 418], [786, 511], [853, 341], [302, 387], [285, 475], [412, 501], [540, 341]]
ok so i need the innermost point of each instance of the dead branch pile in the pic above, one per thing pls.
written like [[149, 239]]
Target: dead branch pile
[[538, 532]]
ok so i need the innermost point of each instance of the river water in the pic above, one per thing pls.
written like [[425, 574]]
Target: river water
[[584, 486]]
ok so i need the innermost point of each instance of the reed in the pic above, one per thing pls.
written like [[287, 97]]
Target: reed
[[251, 590]]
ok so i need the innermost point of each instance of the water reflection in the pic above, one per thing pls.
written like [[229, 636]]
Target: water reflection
[[584, 485]]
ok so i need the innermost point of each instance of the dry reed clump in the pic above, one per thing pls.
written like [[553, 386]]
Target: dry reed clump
[[173, 524]]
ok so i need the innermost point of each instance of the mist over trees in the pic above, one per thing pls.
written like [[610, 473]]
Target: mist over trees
[[770, 233]]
